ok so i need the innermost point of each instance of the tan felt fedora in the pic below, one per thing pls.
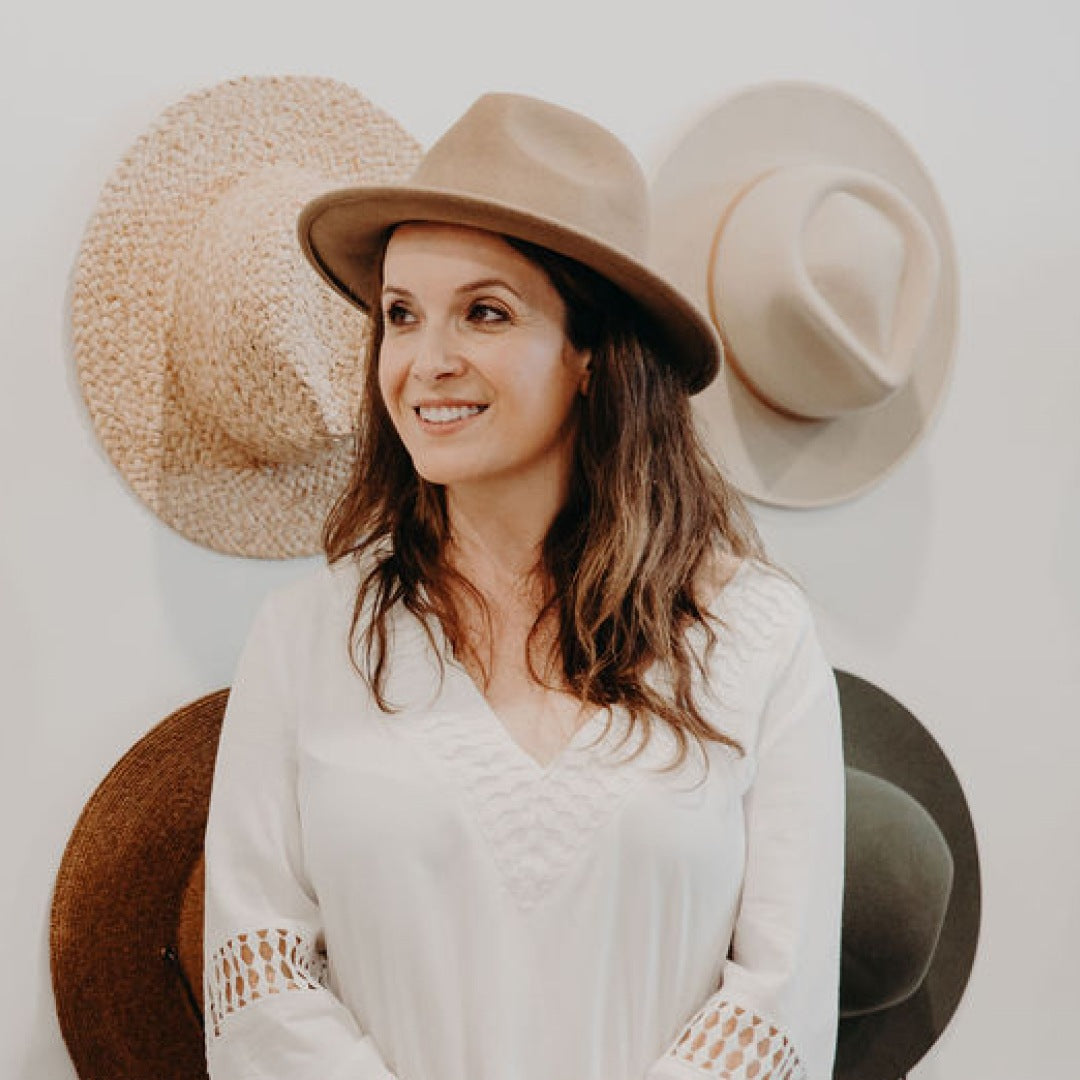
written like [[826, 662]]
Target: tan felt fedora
[[811, 232], [529, 169], [221, 377]]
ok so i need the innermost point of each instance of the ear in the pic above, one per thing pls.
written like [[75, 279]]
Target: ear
[[586, 372]]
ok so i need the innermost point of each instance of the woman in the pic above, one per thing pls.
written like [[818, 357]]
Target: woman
[[541, 777]]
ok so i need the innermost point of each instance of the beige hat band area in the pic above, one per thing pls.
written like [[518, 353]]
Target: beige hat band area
[[811, 231], [842, 265], [533, 170]]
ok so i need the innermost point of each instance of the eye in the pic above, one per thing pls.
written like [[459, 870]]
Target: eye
[[397, 313], [483, 311]]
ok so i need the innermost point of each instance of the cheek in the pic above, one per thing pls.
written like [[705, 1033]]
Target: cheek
[[554, 388], [546, 371], [391, 377]]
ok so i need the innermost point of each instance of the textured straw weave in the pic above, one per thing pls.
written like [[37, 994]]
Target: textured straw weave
[[220, 373], [126, 929]]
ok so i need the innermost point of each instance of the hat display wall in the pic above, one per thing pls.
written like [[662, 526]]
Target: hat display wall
[[127, 912], [221, 376], [812, 233], [535, 171], [912, 895]]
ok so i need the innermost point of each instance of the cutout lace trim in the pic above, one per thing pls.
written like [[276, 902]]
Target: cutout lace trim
[[731, 1042], [257, 964]]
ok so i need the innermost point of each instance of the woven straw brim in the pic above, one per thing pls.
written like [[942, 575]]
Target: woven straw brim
[[125, 1010], [343, 231], [771, 457], [884, 739], [190, 473]]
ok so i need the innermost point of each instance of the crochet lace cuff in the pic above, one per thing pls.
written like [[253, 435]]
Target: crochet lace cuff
[[257, 964], [732, 1042]]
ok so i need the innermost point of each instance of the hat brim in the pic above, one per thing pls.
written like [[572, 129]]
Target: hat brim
[[341, 232], [882, 738], [771, 457], [115, 934]]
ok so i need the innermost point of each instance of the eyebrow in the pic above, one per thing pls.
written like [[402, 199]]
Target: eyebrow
[[461, 290]]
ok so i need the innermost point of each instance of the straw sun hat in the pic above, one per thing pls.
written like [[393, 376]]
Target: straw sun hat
[[811, 231], [221, 376], [126, 926]]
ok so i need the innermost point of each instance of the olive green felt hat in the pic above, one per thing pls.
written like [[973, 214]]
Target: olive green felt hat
[[912, 895]]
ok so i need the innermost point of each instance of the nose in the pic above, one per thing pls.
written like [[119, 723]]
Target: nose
[[437, 353]]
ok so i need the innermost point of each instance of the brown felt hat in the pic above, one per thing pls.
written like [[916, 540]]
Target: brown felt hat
[[912, 894], [535, 171], [127, 913], [222, 379]]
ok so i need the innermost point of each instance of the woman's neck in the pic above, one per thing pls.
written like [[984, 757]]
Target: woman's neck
[[494, 545], [496, 542]]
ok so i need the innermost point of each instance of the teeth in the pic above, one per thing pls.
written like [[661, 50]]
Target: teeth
[[443, 414]]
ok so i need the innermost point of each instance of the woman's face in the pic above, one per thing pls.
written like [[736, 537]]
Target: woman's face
[[475, 367]]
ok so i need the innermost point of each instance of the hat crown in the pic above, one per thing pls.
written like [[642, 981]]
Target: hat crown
[[823, 280], [899, 877], [258, 350], [537, 157]]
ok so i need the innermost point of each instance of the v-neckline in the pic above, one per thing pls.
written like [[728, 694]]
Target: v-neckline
[[505, 737], [501, 736], [537, 819]]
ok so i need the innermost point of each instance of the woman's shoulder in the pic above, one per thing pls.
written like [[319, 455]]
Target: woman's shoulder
[[755, 600], [321, 592], [762, 619], [716, 573], [725, 577]]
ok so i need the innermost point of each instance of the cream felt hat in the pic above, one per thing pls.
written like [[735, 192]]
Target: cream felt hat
[[221, 377], [525, 168], [811, 231]]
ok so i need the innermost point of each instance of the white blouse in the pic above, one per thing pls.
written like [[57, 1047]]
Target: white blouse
[[411, 895]]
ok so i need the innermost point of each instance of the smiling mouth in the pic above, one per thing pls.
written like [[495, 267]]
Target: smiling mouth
[[447, 414]]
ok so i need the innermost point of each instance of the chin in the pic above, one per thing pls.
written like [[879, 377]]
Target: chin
[[442, 474]]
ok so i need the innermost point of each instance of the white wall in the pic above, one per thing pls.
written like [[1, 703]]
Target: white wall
[[954, 584]]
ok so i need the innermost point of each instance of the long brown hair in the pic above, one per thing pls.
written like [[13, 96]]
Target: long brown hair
[[646, 515]]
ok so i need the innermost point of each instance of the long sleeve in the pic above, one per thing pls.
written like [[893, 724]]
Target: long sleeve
[[269, 1012], [774, 1014]]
